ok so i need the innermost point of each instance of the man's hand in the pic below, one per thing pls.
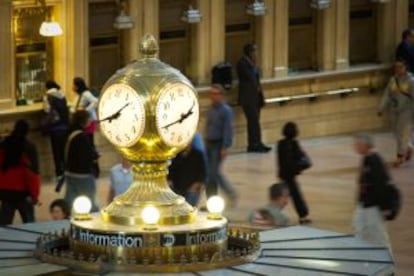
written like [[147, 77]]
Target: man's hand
[[223, 153], [195, 188], [259, 220]]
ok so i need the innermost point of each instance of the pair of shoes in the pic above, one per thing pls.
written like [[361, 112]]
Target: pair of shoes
[[265, 147], [259, 149], [305, 221]]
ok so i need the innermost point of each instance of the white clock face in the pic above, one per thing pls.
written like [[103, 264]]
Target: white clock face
[[177, 114], [122, 115]]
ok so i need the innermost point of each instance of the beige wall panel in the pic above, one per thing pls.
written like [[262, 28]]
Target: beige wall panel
[[175, 52], [281, 38], [301, 47], [7, 86], [104, 62]]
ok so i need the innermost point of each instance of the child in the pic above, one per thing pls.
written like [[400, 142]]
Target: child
[[59, 209], [272, 214]]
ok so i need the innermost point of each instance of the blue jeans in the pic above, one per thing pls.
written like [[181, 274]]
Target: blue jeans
[[192, 198], [77, 186], [215, 176]]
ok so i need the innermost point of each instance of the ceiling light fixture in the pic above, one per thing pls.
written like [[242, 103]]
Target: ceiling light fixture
[[48, 28], [320, 4], [257, 8], [191, 15], [123, 21]]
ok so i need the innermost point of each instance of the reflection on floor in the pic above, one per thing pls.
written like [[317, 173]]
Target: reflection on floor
[[329, 188]]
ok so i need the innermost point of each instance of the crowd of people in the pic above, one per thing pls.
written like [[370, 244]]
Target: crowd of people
[[199, 166]]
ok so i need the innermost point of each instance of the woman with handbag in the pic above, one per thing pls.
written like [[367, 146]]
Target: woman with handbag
[[19, 177], [80, 157], [56, 125], [292, 160]]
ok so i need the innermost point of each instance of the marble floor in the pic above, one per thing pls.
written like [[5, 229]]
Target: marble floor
[[329, 188]]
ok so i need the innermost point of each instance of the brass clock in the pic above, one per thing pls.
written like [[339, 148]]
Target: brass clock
[[149, 111]]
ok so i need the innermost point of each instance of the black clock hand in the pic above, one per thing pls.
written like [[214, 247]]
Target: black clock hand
[[188, 114], [115, 115], [182, 117]]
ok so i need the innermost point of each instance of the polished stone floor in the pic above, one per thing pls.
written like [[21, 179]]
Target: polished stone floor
[[329, 188]]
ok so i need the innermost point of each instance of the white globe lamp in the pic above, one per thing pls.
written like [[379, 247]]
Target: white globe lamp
[[215, 207]]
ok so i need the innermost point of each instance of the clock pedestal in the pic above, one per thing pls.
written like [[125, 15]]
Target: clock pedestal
[[149, 111], [150, 188]]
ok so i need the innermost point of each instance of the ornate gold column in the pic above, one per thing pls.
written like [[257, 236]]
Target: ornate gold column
[[385, 31], [7, 87], [200, 38], [281, 39], [217, 31], [264, 36], [401, 18], [77, 41], [342, 33], [326, 38], [150, 11]]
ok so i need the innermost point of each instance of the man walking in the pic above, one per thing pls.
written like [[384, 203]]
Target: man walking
[[368, 221], [405, 50], [251, 97], [219, 131]]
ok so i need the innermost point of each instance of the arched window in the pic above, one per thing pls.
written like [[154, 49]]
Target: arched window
[[411, 14], [363, 32], [302, 36], [104, 43], [239, 29], [174, 34]]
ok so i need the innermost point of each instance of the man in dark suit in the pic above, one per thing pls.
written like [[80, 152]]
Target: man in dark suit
[[251, 97], [405, 50]]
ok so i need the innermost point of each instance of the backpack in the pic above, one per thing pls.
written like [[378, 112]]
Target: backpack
[[391, 201], [222, 74]]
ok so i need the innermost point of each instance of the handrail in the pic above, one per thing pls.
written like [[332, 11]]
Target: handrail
[[312, 96]]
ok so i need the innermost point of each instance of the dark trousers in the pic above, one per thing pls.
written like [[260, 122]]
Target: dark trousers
[[296, 194], [9, 207], [254, 135], [58, 141], [215, 176]]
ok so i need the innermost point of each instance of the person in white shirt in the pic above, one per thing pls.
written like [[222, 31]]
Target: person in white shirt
[[86, 101], [120, 177]]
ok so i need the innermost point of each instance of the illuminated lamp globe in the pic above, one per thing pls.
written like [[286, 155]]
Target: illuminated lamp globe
[[50, 28], [150, 216], [215, 207], [82, 206]]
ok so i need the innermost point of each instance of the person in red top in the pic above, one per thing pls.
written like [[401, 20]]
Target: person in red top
[[19, 175]]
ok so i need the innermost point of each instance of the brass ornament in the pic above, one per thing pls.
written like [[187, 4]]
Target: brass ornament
[[150, 79]]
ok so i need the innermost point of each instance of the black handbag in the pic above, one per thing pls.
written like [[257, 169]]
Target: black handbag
[[303, 162]]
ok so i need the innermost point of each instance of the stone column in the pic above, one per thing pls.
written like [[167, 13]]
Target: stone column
[[281, 38], [150, 11], [325, 52], [76, 41], [401, 18], [265, 41], [386, 17], [131, 37], [200, 41], [145, 16], [7, 76], [217, 31], [341, 9]]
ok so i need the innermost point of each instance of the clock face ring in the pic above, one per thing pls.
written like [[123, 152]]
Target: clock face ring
[[121, 114], [177, 114]]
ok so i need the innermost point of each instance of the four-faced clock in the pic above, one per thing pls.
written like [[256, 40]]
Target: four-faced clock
[[121, 115], [176, 114]]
